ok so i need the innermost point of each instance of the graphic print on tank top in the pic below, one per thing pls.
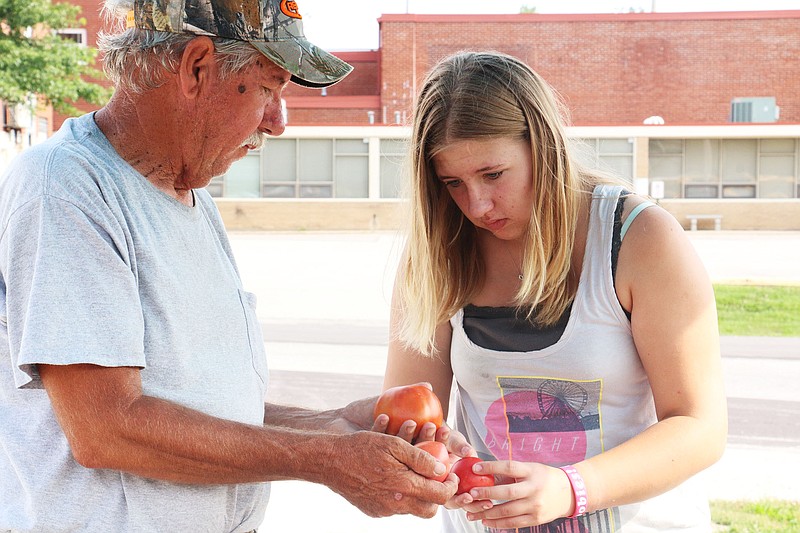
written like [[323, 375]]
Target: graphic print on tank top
[[552, 421]]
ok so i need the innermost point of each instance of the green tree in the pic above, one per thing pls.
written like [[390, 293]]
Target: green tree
[[35, 60], [527, 9]]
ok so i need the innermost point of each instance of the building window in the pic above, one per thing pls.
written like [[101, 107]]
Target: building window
[[77, 35], [701, 161], [694, 190], [392, 164], [739, 164], [351, 168], [242, 180], [216, 187], [725, 168], [367, 165], [666, 165], [280, 174], [701, 168], [738, 191], [299, 168], [614, 156], [777, 164], [314, 170]]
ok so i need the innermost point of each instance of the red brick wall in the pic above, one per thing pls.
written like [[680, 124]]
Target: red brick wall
[[308, 106], [364, 80], [616, 69], [610, 69], [331, 117]]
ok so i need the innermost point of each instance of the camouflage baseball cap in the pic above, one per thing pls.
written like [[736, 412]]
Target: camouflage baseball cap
[[274, 27]]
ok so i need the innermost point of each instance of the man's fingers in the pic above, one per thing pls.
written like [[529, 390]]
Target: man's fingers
[[425, 464]]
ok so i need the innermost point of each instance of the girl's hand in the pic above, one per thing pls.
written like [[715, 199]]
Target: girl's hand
[[531, 494]]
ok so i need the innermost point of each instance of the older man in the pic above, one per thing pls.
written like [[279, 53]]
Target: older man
[[132, 370]]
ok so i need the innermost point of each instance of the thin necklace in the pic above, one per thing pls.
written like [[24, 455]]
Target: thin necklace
[[513, 261]]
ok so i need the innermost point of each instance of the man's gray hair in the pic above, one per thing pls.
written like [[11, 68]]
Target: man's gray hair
[[138, 60]]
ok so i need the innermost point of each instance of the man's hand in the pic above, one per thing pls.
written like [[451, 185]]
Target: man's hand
[[356, 416], [383, 475]]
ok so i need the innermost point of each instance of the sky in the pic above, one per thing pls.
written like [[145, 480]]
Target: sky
[[330, 27]]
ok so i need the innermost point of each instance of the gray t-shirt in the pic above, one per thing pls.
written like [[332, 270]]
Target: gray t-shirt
[[98, 266]]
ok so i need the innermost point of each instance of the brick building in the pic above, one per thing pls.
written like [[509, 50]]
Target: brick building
[[613, 72], [611, 69]]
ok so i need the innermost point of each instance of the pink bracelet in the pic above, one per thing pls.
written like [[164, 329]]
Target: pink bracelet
[[578, 490]]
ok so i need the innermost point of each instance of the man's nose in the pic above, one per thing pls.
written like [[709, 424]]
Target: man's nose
[[273, 122]]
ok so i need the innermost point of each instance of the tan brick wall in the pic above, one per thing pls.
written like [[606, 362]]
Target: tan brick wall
[[310, 215], [738, 214]]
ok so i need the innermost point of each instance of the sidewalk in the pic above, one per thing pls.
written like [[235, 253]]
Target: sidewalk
[[348, 277], [332, 290]]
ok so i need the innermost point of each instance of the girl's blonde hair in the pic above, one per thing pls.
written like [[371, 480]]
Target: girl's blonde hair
[[481, 96]]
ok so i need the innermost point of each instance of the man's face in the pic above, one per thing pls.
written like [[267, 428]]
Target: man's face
[[237, 112]]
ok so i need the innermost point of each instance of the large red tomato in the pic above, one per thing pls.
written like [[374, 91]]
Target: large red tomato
[[439, 451], [467, 479], [409, 402]]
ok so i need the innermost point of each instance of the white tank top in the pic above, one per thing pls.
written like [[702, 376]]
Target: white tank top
[[579, 397]]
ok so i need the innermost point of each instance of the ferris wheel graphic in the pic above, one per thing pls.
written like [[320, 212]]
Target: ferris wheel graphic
[[559, 398]]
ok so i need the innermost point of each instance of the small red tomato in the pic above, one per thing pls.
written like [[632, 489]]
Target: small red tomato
[[439, 451], [467, 479], [409, 402]]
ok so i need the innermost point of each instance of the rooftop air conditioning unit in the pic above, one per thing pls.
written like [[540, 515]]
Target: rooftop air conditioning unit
[[754, 109]]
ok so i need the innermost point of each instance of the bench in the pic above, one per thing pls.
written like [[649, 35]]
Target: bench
[[694, 218]]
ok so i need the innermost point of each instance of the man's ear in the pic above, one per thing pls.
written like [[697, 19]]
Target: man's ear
[[197, 66]]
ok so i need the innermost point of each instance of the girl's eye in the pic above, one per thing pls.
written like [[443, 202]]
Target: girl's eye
[[452, 183], [494, 175]]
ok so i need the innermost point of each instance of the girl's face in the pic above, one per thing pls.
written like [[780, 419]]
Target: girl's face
[[491, 183]]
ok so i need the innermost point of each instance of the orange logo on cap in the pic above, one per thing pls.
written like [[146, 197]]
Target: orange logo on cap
[[289, 8]]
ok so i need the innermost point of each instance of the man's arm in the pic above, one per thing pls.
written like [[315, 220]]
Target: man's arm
[[110, 424], [355, 416]]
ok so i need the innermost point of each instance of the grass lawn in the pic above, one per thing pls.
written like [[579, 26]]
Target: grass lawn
[[770, 311], [762, 516], [758, 310]]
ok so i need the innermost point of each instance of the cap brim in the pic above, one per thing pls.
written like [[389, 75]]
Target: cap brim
[[308, 64]]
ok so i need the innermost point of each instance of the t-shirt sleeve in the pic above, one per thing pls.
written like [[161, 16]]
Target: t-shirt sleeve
[[71, 292]]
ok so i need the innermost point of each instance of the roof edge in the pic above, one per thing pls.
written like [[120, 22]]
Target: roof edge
[[580, 17]]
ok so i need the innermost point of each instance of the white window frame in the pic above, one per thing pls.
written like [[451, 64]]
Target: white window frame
[[68, 33]]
